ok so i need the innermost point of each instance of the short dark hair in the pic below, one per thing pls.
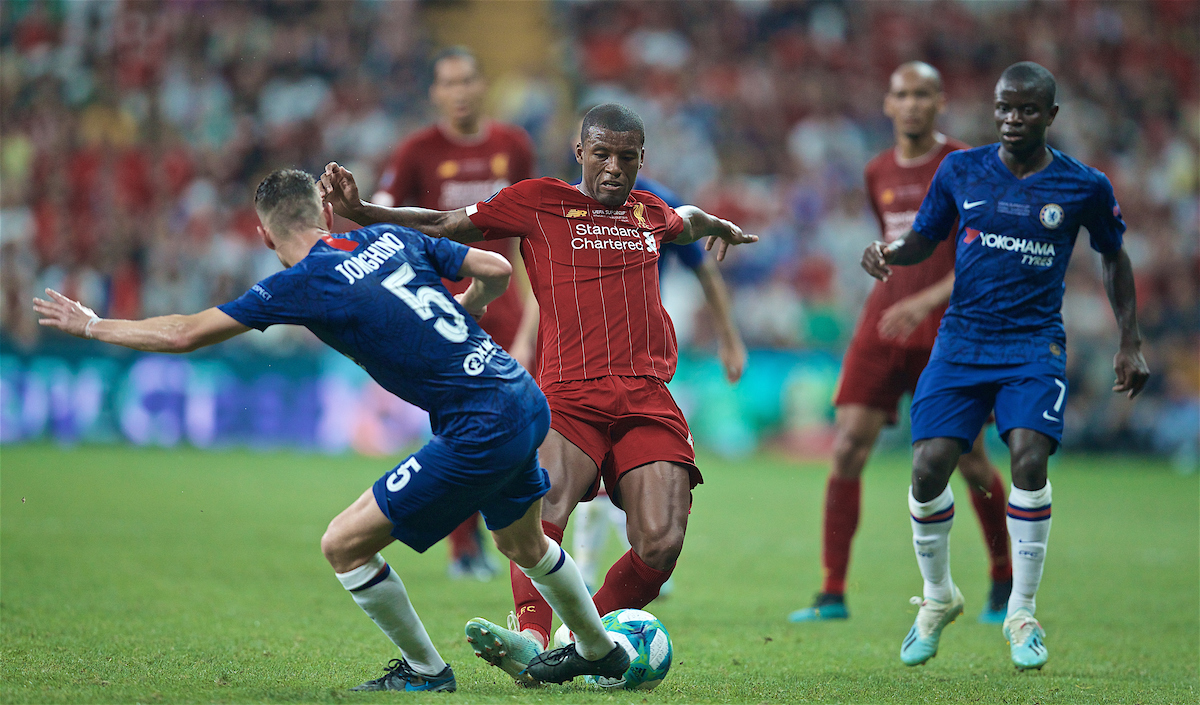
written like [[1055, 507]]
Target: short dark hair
[[454, 52], [615, 117], [287, 200], [1035, 76]]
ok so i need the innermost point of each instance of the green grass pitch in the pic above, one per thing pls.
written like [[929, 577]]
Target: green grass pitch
[[180, 576]]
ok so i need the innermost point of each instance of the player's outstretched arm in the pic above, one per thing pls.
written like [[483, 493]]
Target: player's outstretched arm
[[173, 334], [913, 248], [489, 274], [1130, 366], [338, 188], [730, 347], [697, 224]]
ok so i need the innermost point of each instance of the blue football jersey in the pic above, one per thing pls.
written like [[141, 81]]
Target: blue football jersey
[[376, 296], [1015, 238]]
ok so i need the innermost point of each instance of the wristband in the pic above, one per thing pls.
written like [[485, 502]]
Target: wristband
[[87, 328]]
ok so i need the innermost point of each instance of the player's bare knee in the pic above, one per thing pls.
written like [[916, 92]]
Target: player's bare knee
[[333, 548], [525, 553], [932, 465], [1029, 470], [556, 512], [661, 550], [850, 453]]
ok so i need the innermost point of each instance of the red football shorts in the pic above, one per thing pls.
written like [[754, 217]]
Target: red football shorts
[[621, 423], [876, 375]]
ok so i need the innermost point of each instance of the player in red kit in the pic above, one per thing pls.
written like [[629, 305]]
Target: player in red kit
[[463, 159], [607, 350], [892, 345]]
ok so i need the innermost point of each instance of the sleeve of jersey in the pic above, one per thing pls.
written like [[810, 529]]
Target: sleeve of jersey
[[446, 256], [938, 211], [674, 224], [265, 304], [508, 213], [1103, 218]]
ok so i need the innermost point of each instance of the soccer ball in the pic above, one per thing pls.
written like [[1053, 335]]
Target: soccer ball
[[649, 647]]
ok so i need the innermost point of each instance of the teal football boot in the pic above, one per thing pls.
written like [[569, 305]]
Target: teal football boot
[[921, 644], [996, 608], [825, 607], [1026, 638], [506, 649]]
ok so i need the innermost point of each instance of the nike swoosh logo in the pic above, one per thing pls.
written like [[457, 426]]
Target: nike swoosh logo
[[1046, 415], [968, 205]]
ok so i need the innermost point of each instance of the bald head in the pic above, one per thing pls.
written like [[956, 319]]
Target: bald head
[[920, 71], [1033, 78], [914, 100]]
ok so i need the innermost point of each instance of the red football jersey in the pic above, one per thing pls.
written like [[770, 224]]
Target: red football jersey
[[594, 271], [433, 170], [896, 188]]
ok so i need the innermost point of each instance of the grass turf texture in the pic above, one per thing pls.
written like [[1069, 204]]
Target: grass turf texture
[[181, 576]]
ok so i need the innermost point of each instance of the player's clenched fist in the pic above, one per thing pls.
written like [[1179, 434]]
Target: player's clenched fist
[[338, 188], [874, 260]]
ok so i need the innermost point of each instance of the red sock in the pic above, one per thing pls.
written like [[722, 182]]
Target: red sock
[[463, 540], [630, 584], [533, 612], [841, 521], [992, 511]]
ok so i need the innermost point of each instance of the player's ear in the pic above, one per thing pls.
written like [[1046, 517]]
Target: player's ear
[[1053, 113], [327, 211], [266, 238], [579, 152]]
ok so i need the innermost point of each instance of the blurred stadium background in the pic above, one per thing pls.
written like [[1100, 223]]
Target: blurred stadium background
[[134, 133]]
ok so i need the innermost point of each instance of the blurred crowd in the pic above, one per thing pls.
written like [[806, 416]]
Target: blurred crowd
[[134, 133]]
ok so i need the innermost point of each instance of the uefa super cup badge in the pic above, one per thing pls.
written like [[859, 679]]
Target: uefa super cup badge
[[1051, 215]]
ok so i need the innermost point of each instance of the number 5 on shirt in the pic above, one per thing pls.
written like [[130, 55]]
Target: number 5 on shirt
[[422, 302]]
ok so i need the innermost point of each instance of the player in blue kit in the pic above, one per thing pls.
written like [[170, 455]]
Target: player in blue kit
[[1001, 344], [375, 295]]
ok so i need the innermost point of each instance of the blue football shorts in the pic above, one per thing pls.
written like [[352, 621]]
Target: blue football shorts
[[438, 487], [953, 400]]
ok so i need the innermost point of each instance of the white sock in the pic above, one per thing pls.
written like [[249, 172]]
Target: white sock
[[931, 522], [559, 581], [381, 594], [1029, 530]]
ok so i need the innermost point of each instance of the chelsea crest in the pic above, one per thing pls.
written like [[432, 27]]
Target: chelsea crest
[[1051, 215]]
